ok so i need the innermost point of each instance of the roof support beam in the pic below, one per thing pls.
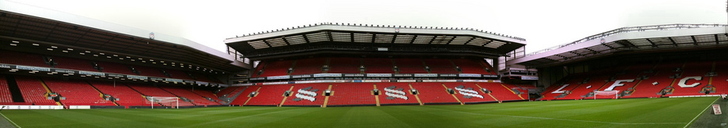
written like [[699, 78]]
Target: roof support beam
[[394, 38], [432, 39], [593, 52], [610, 47], [471, 39], [450, 41], [673, 41], [351, 37], [653, 43], [413, 40], [491, 41], [694, 40], [305, 38], [374, 36], [266, 43], [716, 39], [565, 58], [286, 40], [576, 53], [331, 38]]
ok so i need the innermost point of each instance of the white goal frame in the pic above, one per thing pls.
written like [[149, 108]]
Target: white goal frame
[[616, 93], [160, 99]]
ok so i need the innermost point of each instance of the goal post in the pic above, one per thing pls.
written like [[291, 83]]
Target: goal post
[[614, 94], [166, 101]]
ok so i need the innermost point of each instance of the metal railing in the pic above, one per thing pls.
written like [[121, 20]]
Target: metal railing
[[379, 26], [629, 29]]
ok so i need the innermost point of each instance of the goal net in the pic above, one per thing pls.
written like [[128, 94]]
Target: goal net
[[163, 101], [613, 94]]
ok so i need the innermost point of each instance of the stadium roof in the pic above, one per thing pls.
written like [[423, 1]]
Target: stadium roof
[[630, 40], [369, 38], [26, 24]]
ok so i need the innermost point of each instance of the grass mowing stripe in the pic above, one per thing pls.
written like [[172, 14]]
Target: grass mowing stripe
[[701, 113], [11, 121]]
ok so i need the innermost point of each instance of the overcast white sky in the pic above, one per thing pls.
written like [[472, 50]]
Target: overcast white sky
[[544, 23]]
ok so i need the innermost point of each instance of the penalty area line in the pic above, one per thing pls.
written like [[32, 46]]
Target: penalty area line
[[11, 121], [701, 113]]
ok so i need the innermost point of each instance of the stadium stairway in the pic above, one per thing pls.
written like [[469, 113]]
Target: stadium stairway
[[34, 91]]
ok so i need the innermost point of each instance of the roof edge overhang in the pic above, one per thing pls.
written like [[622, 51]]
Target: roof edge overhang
[[611, 39], [378, 29], [111, 27]]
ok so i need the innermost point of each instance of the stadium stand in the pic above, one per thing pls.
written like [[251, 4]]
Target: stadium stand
[[149, 90], [434, 93], [395, 93], [207, 94], [126, 96], [502, 92], [178, 74], [308, 66], [77, 92], [443, 66], [271, 95], [352, 94], [115, 68], [5, 95], [71, 63], [409, 65], [470, 66], [306, 95], [191, 96], [147, 71], [344, 65], [276, 68], [378, 65], [20, 58], [245, 95], [33, 91], [469, 92]]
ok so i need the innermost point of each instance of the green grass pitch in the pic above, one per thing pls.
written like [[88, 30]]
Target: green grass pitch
[[662, 112]]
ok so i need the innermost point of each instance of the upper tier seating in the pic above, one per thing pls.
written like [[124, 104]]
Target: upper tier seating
[[115, 68], [470, 66], [407, 65], [442, 66], [344, 65], [276, 68], [71, 63], [308, 66], [20, 58], [378, 65]]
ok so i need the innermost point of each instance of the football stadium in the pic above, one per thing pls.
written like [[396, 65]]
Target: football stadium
[[61, 70]]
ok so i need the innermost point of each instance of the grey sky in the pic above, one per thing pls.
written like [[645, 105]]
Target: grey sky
[[544, 23]]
